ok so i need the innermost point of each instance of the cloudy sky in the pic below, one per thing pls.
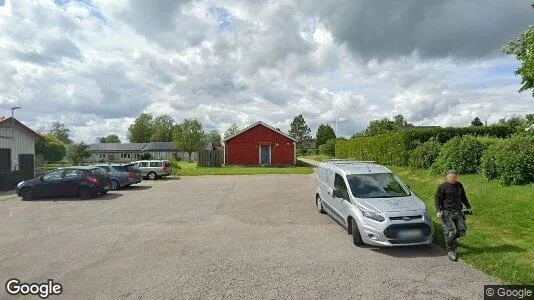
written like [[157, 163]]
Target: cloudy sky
[[97, 64]]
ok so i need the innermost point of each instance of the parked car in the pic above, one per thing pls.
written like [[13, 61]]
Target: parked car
[[372, 203], [153, 169], [84, 182], [122, 175]]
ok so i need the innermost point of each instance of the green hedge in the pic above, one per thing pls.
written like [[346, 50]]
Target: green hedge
[[328, 148], [394, 148], [384, 149], [460, 153], [511, 161], [425, 154]]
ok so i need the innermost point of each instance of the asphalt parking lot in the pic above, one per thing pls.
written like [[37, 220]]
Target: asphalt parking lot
[[213, 237]]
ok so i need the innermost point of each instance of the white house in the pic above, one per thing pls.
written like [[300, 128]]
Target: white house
[[17, 147]]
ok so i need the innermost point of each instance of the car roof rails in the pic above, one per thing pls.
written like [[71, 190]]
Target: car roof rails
[[349, 161]]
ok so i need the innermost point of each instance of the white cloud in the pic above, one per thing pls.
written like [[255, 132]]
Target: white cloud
[[97, 65]]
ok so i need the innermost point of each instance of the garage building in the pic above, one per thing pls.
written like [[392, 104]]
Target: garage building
[[17, 152], [260, 144]]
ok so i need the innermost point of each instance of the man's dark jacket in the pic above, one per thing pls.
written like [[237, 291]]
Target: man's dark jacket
[[450, 197]]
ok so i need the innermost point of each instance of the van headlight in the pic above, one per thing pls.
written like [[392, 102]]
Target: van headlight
[[371, 214], [20, 183]]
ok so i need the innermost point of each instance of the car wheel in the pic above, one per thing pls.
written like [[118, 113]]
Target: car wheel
[[356, 237], [27, 194], [84, 193], [152, 176], [114, 185], [319, 204]]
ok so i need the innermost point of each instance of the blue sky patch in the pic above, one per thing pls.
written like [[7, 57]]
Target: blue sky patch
[[223, 16]]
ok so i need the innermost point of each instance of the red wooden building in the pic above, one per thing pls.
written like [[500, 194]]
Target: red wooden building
[[259, 144]]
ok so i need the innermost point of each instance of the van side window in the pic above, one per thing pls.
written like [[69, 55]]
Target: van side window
[[339, 183]]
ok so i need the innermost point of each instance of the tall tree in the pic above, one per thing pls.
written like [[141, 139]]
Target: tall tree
[[523, 49], [477, 122], [60, 131], [386, 125], [189, 136], [112, 138], [77, 153], [162, 129], [300, 131], [214, 137], [381, 126], [325, 132], [140, 131], [231, 131], [52, 149]]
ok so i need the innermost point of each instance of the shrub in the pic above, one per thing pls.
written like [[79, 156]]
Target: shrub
[[394, 148], [460, 153], [328, 148], [510, 161], [174, 164], [387, 149], [425, 154]]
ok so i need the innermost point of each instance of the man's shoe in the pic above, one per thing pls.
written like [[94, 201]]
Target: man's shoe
[[452, 256]]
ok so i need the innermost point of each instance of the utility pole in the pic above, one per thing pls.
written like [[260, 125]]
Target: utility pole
[[13, 135]]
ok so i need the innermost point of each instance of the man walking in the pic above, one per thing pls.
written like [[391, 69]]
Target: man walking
[[450, 199]]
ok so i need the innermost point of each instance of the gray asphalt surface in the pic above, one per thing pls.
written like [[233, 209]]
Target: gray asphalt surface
[[216, 237]]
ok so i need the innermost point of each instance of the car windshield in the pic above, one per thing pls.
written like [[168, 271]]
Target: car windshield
[[379, 185]]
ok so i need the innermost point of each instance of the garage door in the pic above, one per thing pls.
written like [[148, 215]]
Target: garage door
[[5, 158]]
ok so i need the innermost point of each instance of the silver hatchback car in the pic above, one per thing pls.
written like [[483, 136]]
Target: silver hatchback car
[[372, 203]]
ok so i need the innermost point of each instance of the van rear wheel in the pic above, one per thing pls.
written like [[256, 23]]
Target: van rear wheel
[[319, 204], [356, 237]]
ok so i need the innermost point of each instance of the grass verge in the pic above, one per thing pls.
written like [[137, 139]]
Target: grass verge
[[500, 235], [191, 169]]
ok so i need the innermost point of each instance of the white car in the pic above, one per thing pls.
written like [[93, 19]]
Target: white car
[[372, 203]]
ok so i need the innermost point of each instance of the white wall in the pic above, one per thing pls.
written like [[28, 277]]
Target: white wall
[[24, 143]]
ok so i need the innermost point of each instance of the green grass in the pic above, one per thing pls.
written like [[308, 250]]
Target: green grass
[[191, 169], [500, 235]]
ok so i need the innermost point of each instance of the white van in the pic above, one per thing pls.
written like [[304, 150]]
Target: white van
[[372, 203]]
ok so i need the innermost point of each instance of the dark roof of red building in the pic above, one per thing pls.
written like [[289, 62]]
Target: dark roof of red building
[[24, 127], [258, 124]]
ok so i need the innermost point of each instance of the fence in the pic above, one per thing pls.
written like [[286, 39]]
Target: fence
[[209, 158]]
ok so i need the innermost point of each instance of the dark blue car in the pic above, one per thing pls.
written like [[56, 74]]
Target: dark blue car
[[84, 182]]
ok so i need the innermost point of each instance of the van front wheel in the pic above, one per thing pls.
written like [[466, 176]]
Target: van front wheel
[[319, 204], [356, 237]]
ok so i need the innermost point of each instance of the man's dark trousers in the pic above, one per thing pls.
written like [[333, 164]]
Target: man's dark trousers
[[453, 223]]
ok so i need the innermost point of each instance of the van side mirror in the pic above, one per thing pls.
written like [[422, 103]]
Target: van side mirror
[[337, 193], [41, 177]]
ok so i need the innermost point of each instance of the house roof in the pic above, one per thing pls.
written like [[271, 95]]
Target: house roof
[[257, 124], [24, 127], [159, 146], [117, 147]]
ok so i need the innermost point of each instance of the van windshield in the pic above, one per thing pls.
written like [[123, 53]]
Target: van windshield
[[378, 185]]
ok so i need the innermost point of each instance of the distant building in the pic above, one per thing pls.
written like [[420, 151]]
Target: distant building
[[17, 147], [17, 152], [259, 144], [128, 152]]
